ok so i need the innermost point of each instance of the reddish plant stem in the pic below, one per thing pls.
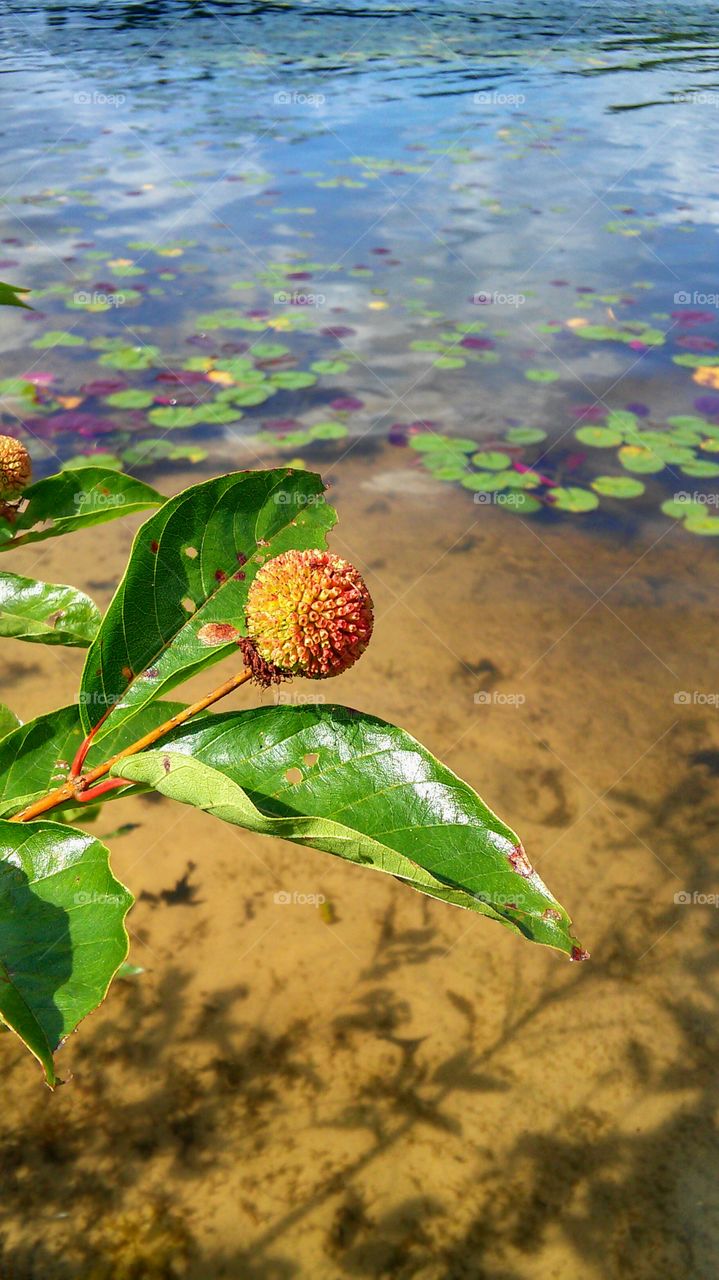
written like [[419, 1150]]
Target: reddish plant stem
[[76, 788]]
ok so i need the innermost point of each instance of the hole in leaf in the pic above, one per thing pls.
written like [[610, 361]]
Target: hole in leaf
[[294, 776], [311, 758]]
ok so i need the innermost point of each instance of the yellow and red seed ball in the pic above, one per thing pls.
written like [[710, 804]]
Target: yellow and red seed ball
[[309, 613], [15, 467]]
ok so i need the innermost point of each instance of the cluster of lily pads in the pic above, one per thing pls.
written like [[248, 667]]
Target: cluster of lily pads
[[680, 451]]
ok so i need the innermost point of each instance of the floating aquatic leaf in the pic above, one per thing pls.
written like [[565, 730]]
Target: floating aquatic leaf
[[525, 435], [598, 437], [700, 468], [618, 486], [293, 380], [703, 524], [643, 461], [328, 431], [131, 398], [58, 338], [491, 460], [541, 375], [574, 499]]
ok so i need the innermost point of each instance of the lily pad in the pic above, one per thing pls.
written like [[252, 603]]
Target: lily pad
[[598, 437], [572, 498], [618, 487]]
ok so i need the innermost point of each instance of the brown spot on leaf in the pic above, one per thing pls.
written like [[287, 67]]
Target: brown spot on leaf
[[520, 863], [217, 633], [578, 953], [154, 547], [220, 575]]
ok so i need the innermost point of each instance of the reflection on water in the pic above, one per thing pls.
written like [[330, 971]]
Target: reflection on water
[[463, 262]]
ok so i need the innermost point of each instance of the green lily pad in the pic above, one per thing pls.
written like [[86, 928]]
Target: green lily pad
[[598, 437], [293, 379], [700, 468], [644, 461], [703, 524], [572, 498], [525, 435], [130, 399], [541, 375], [491, 460], [618, 487], [328, 431]]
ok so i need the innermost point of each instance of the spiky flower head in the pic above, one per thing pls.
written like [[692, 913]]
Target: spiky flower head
[[15, 467], [309, 613]]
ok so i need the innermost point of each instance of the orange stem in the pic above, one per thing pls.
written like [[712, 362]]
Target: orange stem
[[74, 787]]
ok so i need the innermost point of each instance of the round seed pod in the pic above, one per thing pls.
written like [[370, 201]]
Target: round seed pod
[[309, 613]]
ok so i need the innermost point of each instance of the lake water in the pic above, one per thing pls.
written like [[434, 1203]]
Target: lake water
[[463, 261]]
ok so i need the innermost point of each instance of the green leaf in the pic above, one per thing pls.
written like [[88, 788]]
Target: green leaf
[[191, 564], [45, 613], [10, 296], [598, 437], [352, 785], [35, 757], [76, 499], [618, 486], [57, 338], [573, 499], [62, 932], [8, 720]]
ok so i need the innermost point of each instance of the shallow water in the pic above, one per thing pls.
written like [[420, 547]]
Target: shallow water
[[390, 1089]]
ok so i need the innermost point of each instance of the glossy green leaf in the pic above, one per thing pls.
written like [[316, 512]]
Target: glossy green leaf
[[352, 785], [46, 613], [35, 757], [8, 720], [76, 499], [62, 932], [190, 565], [10, 296]]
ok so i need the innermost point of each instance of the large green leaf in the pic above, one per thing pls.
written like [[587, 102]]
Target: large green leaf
[[350, 784], [10, 296], [46, 613], [8, 720], [75, 499], [35, 758], [62, 932], [191, 565]]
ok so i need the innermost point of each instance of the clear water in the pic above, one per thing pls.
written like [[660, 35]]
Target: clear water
[[371, 190]]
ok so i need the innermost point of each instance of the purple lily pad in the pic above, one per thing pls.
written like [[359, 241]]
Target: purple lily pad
[[103, 386], [346, 404], [641, 410], [687, 318], [708, 405]]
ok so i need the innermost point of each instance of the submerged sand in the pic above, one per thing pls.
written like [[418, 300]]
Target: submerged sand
[[391, 1087]]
